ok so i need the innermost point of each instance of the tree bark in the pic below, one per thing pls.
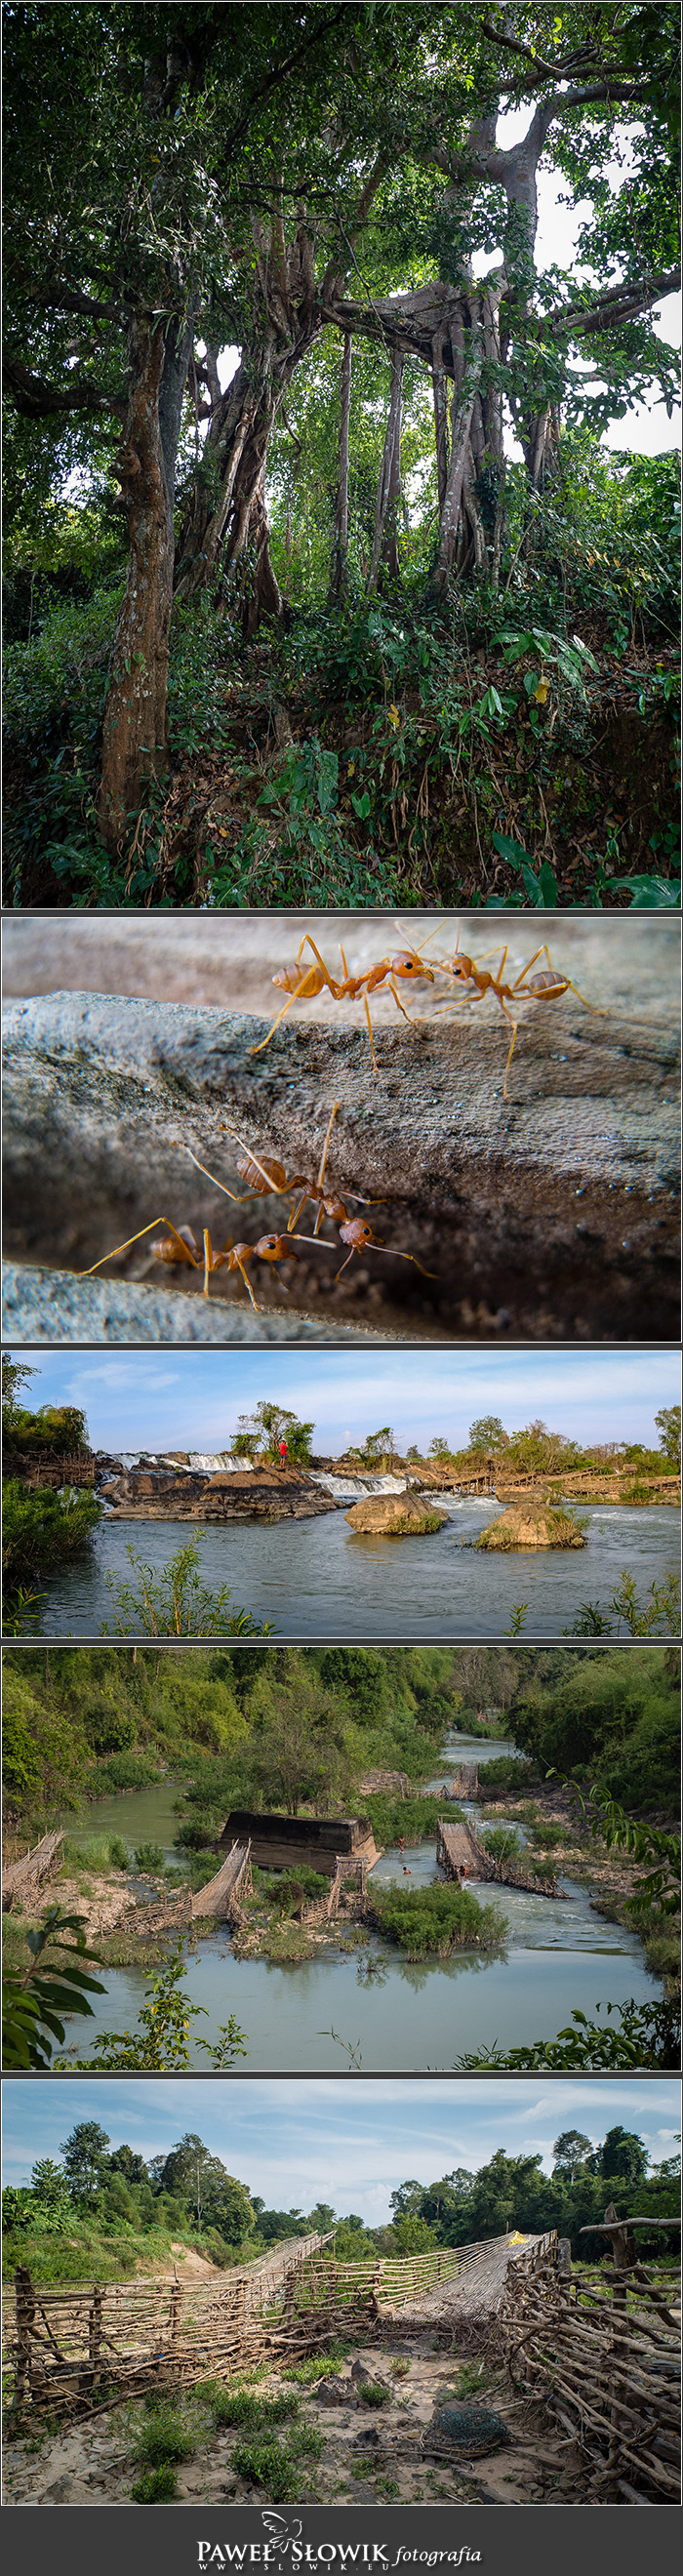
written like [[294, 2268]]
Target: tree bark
[[135, 741], [440, 416], [341, 529]]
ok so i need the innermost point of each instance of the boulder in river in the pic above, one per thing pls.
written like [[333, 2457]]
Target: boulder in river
[[531, 1525], [394, 1516]]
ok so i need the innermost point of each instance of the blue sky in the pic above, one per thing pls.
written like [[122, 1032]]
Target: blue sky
[[347, 2141], [191, 1399]]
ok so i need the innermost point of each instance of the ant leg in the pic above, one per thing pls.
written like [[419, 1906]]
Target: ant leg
[[401, 1005], [185, 1253], [404, 1256], [264, 1042], [335, 1106], [372, 1044], [211, 1176], [297, 1211], [209, 1263], [514, 1024], [345, 1264], [248, 1286]]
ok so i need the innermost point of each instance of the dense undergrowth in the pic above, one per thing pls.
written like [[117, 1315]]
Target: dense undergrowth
[[520, 748]]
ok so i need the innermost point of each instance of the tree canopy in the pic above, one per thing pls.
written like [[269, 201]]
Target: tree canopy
[[348, 199]]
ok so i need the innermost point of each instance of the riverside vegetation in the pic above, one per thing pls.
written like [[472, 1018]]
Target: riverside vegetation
[[43, 1528], [402, 668], [594, 1782]]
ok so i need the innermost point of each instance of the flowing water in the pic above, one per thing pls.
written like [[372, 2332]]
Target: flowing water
[[402, 2017], [320, 1579]]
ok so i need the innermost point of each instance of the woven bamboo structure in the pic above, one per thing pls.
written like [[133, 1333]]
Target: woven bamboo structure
[[221, 1897], [460, 1853], [602, 2347], [24, 1877]]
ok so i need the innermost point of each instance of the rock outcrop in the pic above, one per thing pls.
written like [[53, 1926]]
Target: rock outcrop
[[158, 1494], [531, 1525], [394, 1516]]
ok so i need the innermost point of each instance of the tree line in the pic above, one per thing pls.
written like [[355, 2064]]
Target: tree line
[[117, 2197]]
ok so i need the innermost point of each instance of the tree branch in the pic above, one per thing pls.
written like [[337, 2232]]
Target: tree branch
[[616, 304], [35, 399]]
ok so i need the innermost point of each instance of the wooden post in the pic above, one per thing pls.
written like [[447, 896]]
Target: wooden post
[[25, 2312], [95, 2335]]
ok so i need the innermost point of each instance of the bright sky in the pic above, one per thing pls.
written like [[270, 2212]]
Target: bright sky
[[645, 430], [347, 2140], [180, 1399]]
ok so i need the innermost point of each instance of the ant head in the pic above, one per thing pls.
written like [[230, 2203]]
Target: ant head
[[274, 1247], [407, 962], [356, 1232], [461, 968]]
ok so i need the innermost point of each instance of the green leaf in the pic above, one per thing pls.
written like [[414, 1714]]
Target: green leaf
[[511, 850], [650, 894]]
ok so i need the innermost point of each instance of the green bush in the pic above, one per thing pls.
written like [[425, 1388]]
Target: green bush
[[43, 1530], [150, 1859], [289, 1891], [502, 1842], [158, 2486], [373, 2392], [129, 1771], [413, 1819], [245, 2406], [436, 1919], [279, 2467], [164, 2437]]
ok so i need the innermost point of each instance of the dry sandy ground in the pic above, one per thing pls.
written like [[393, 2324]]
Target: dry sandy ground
[[368, 2455]]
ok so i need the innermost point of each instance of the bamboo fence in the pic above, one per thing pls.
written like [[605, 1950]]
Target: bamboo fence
[[23, 1877], [602, 2348]]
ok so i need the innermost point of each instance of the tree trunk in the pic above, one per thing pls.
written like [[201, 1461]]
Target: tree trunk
[[390, 471], [341, 530], [440, 417], [263, 597], [206, 520], [135, 743]]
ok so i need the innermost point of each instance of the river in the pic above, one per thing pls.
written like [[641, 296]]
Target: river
[[405, 2018], [319, 1579]]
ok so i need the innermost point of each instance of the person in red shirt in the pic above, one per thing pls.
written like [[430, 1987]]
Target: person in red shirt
[[283, 1452]]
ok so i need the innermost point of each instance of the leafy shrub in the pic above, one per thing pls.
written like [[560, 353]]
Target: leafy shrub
[[373, 2392], [289, 1893], [97, 1852], [502, 1842], [150, 1859], [164, 2437], [158, 2486], [44, 1529], [129, 1771], [411, 1819], [279, 2466], [245, 2406], [436, 1919]]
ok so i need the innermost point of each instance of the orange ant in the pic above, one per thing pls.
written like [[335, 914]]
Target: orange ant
[[549, 986], [317, 979], [270, 1179], [266, 1179], [183, 1246]]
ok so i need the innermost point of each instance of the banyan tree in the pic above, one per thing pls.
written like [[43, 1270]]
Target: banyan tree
[[180, 178]]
